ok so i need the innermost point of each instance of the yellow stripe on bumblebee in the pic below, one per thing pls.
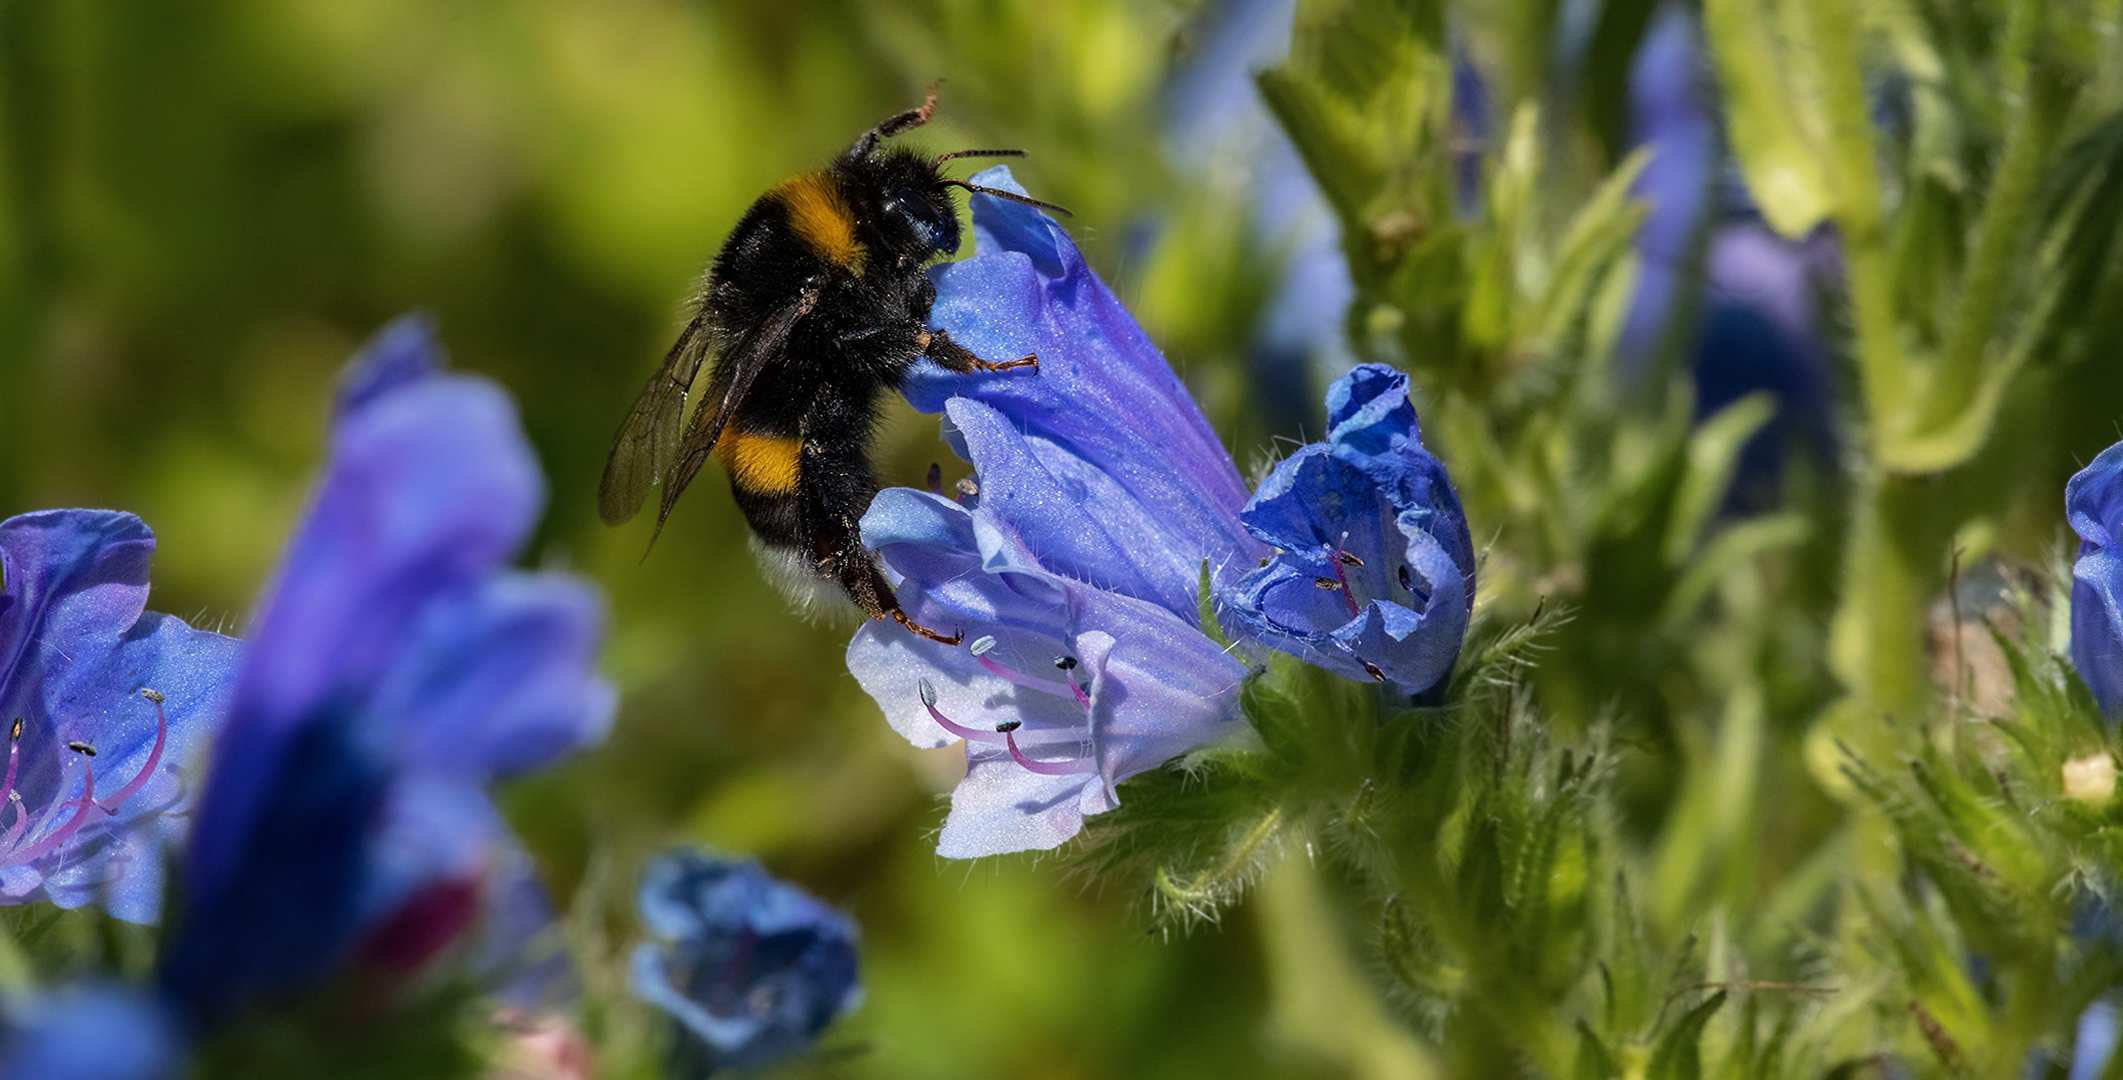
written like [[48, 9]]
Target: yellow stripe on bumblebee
[[761, 464], [820, 216]]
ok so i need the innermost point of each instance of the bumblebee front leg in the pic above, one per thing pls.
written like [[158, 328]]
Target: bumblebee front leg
[[951, 356]]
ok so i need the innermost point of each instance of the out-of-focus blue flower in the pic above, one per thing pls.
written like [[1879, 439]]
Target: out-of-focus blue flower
[[1221, 133], [82, 664], [2095, 1040], [395, 669], [753, 967], [1077, 566], [2093, 502], [91, 1032], [1738, 304], [1374, 572]]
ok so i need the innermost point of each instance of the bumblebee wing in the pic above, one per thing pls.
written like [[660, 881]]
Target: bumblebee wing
[[744, 363], [647, 443]]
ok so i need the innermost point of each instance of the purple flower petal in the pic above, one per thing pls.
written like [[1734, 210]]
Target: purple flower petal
[[1104, 429], [76, 649], [1077, 678], [396, 667], [2093, 502], [1374, 578]]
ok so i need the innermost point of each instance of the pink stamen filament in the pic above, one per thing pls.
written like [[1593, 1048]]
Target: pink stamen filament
[[1348, 597], [960, 730], [14, 761], [147, 772], [1034, 682], [59, 835], [980, 735], [1064, 767], [14, 832]]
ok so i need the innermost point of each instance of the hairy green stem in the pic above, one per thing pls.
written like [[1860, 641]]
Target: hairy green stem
[[1856, 183], [2038, 108]]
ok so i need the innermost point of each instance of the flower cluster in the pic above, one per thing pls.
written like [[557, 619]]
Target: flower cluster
[[1074, 557], [394, 668]]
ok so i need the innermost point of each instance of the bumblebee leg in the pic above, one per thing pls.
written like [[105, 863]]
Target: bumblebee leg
[[839, 489], [951, 356]]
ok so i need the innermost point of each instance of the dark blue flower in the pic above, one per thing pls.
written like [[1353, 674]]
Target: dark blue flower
[[1714, 285], [2093, 501], [1076, 568], [1374, 572], [91, 1032], [395, 668], [752, 967], [1220, 130], [82, 663]]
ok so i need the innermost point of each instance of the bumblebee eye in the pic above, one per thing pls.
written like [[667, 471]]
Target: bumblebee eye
[[929, 222]]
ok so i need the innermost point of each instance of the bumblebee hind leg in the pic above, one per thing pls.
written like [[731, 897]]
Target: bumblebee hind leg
[[838, 490], [867, 586]]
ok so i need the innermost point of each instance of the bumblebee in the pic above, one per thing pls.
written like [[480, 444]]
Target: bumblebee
[[817, 302]]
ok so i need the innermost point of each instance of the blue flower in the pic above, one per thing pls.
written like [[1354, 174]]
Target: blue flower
[[82, 664], [2093, 500], [1374, 572], [90, 1032], [1739, 304], [395, 669], [2095, 1040], [1076, 567], [753, 967]]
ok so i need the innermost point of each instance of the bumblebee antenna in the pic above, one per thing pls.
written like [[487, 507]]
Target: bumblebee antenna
[[1012, 196], [975, 153]]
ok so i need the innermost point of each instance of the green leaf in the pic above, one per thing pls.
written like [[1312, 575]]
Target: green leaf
[[1593, 1060], [1772, 115], [1713, 455], [1679, 1053]]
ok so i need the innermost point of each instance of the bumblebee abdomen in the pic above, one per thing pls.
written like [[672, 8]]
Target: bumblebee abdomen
[[822, 219]]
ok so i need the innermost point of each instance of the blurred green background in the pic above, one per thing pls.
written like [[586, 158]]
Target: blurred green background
[[206, 207]]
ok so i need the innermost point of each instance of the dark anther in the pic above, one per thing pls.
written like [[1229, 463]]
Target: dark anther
[[1350, 559], [1008, 726], [1372, 670], [1264, 562], [1327, 583], [1404, 580], [152, 694], [80, 747], [936, 479], [14, 734], [1066, 663], [968, 486]]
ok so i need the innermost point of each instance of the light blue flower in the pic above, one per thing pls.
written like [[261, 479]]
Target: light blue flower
[[1374, 572], [1075, 570], [396, 667], [752, 968], [89, 1032], [82, 664], [2093, 502]]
